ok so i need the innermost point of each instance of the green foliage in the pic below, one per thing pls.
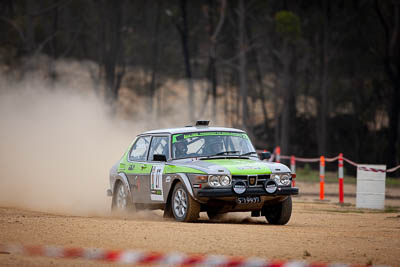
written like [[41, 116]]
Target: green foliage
[[391, 209], [307, 169], [288, 25]]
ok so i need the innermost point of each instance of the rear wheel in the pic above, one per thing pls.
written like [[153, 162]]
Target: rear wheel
[[121, 201], [184, 207], [279, 213]]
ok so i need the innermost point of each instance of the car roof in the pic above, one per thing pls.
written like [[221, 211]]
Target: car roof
[[191, 129]]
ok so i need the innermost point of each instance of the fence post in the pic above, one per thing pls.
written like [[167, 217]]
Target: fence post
[[340, 165], [278, 154], [321, 177], [293, 169]]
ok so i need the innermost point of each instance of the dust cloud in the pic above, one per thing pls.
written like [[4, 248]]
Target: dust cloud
[[57, 144]]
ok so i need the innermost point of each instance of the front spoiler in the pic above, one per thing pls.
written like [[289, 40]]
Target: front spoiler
[[227, 192]]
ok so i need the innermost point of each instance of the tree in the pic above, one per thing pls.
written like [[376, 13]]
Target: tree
[[289, 28], [242, 53], [389, 17], [213, 31], [183, 29], [113, 60]]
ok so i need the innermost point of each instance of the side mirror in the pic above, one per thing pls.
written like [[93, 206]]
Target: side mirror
[[159, 157], [265, 155]]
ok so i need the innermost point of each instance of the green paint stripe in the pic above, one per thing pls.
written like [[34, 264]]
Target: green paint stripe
[[181, 169]]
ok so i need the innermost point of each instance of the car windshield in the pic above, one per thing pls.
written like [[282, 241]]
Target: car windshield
[[208, 144]]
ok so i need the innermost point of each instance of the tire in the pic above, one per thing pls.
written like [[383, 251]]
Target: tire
[[121, 203], [279, 213], [184, 207]]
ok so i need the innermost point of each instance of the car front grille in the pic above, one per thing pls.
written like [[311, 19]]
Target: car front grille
[[260, 179]]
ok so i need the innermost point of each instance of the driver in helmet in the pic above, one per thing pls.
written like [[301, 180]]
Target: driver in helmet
[[180, 149], [215, 146]]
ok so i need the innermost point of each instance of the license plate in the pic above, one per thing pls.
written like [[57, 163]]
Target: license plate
[[248, 200]]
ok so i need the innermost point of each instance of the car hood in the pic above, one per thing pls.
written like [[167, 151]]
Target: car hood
[[233, 166]]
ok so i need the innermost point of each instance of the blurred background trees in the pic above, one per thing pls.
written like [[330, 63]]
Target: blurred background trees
[[315, 76]]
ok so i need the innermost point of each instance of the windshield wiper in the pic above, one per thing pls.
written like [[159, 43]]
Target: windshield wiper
[[226, 153], [248, 153]]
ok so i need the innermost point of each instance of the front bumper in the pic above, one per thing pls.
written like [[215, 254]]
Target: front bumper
[[256, 191]]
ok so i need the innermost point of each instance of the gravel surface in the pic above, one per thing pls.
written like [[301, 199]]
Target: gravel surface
[[317, 231]]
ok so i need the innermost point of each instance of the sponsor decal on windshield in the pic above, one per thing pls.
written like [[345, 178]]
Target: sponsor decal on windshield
[[177, 137]]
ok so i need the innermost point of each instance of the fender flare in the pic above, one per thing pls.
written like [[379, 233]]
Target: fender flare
[[185, 180], [124, 179]]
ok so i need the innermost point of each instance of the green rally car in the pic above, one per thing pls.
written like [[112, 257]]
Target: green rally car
[[185, 171]]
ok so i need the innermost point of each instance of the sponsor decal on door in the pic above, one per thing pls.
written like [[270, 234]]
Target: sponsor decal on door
[[156, 190]]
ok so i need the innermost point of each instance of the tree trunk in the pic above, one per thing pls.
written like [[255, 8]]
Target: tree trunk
[[186, 56], [257, 66], [242, 46], [54, 48], [154, 59], [286, 96], [114, 64], [391, 62], [212, 70], [323, 81], [29, 45]]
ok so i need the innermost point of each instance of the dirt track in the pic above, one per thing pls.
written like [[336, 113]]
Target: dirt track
[[326, 231]]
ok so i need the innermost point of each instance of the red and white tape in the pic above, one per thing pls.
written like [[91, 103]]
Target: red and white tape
[[393, 169], [370, 169], [310, 160], [154, 258], [350, 162]]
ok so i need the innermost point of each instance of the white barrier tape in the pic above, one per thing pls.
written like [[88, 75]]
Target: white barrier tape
[[393, 169], [326, 159], [307, 159], [153, 258], [350, 162], [331, 159]]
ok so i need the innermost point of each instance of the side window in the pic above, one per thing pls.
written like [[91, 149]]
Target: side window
[[159, 145], [140, 148]]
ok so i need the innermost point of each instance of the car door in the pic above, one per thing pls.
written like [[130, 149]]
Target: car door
[[159, 146], [138, 169]]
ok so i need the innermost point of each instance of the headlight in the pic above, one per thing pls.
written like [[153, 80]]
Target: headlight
[[225, 180], [281, 178], [219, 180], [213, 180], [276, 177], [285, 179]]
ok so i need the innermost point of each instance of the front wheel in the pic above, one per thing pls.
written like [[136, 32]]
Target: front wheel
[[279, 213], [184, 207]]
